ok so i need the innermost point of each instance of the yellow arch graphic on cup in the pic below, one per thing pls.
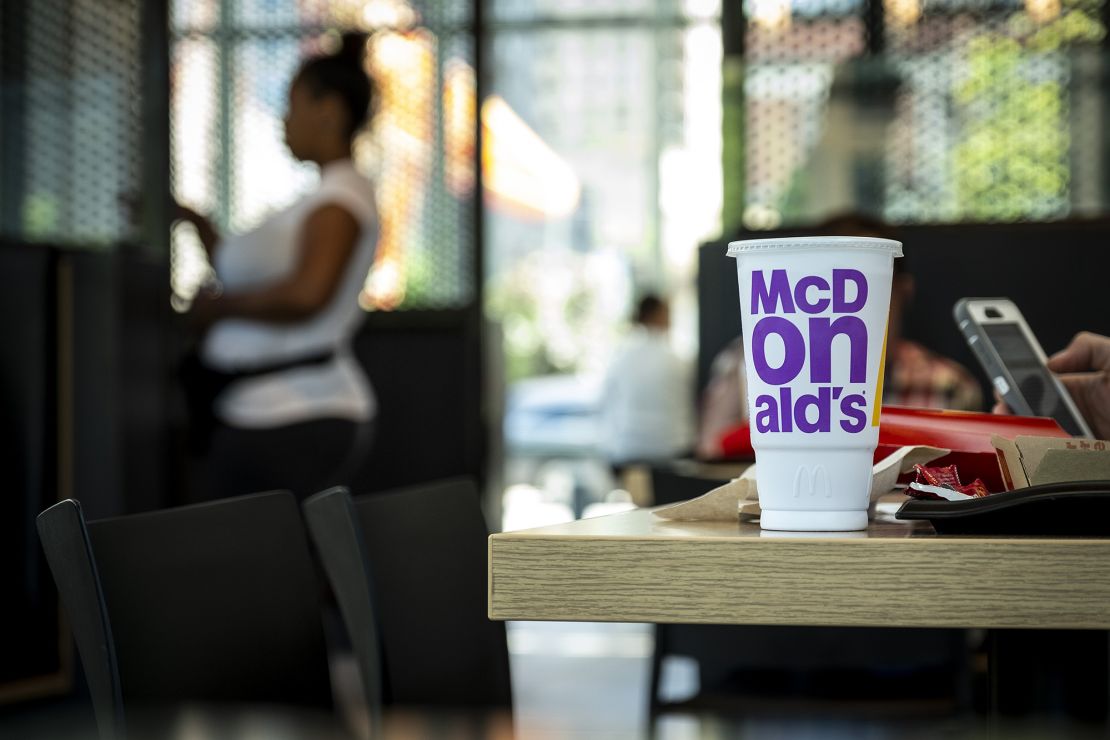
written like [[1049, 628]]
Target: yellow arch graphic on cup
[[879, 386]]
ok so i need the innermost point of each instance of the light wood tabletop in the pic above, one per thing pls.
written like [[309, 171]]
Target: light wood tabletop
[[636, 567]]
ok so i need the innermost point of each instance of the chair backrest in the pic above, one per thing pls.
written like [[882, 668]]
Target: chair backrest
[[213, 602], [334, 528], [424, 554], [65, 540]]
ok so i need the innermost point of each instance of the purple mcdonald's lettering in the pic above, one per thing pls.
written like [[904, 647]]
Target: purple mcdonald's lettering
[[822, 331], [767, 414], [809, 339], [793, 342], [778, 297], [822, 401], [853, 407], [841, 304], [769, 297], [802, 294], [810, 413]]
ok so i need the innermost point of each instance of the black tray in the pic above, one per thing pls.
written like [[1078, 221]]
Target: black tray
[[1078, 508]]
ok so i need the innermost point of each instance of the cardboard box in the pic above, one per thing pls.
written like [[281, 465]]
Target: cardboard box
[[1035, 461]]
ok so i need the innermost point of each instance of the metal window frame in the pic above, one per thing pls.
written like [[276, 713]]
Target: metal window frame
[[228, 34]]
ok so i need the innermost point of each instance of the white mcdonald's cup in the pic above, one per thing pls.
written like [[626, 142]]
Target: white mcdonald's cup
[[814, 312]]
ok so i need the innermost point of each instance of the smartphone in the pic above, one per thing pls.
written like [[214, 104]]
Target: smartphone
[[999, 337]]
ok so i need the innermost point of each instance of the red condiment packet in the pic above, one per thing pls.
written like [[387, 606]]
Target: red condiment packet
[[939, 476], [946, 478]]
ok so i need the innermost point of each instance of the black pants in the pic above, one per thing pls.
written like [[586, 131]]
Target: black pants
[[304, 458]]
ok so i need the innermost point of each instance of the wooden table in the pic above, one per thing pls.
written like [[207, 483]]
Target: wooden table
[[635, 567]]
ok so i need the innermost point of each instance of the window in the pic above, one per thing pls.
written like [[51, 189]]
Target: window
[[71, 133], [232, 63], [603, 147], [951, 110]]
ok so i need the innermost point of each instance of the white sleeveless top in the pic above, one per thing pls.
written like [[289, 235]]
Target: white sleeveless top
[[335, 389]]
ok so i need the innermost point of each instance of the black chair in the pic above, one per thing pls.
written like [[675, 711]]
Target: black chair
[[416, 559], [217, 602], [669, 486]]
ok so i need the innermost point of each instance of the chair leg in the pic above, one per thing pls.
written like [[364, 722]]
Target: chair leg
[[660, 650]]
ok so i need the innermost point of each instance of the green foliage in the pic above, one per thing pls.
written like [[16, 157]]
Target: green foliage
[[559, 311], [1011, 105], [41, 217]]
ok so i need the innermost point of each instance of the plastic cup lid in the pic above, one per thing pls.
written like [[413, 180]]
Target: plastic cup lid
[[816, 243]]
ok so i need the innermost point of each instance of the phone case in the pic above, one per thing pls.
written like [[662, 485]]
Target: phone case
[[1001, 378], [998, 375]]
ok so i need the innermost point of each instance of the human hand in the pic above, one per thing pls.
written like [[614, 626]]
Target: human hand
[[184, 213], [205, 229], [1084, 369], [1000, 406]]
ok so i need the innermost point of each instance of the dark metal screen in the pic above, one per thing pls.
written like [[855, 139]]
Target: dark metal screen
[[232, 63], [939, 111], [70, 120]]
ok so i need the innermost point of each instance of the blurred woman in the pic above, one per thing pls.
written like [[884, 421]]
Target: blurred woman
[[275, 391]]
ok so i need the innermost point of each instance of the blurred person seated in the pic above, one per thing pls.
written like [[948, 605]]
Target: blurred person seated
[[915, 376], [646, 405], [277, 399], [1084, 369]]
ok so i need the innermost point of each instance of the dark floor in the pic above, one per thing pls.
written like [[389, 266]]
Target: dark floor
[[577, 680]]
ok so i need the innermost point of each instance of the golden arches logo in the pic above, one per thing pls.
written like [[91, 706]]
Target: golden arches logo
[[811, 482]]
